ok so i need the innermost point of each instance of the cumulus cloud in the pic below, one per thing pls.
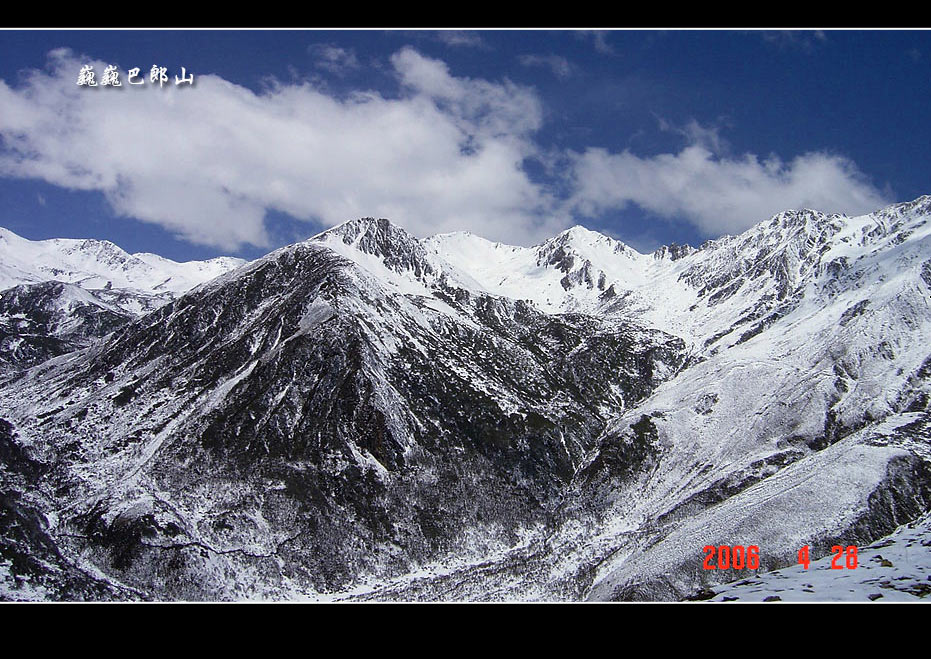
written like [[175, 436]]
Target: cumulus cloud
[[558, 65], [441, 153], [719, 194], [503, 110], [207, 162]]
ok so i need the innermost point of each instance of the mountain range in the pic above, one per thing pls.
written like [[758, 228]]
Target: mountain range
[[371, 415], [58, 295]]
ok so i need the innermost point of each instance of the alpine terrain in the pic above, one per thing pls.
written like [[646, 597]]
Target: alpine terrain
[[367, 415]]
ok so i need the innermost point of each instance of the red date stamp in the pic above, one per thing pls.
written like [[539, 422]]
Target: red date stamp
[[737, 557], [848, 553]]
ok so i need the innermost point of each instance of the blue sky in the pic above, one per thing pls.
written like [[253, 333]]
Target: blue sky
[[650, 136]]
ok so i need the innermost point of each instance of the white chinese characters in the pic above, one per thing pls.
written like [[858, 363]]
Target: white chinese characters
[[189, 80], [86, 76], [158, 74], [111, 76]]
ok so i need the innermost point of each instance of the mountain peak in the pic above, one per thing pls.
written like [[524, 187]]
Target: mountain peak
[[580, 234], [585, 243], [577, 230], [352, 230], [381, 247]]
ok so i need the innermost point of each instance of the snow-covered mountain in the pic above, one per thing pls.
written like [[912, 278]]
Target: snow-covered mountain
[[61, 294], [369, 415], [99, 264]]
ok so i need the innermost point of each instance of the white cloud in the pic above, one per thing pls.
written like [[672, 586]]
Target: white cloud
[[503, 110], [719, 194], [333, 58], [444, 153], [599, 40], [708, 137], [208, 161], [558, 65], [799, 40], [461, 38]]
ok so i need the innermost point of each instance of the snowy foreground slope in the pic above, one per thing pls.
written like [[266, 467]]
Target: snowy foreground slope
[[897, 568], [367, 415]]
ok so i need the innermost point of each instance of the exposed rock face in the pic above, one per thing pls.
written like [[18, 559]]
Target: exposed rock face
[[370, 415]]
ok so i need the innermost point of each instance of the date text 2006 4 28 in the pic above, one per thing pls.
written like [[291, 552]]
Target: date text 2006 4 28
[[739, 557]]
